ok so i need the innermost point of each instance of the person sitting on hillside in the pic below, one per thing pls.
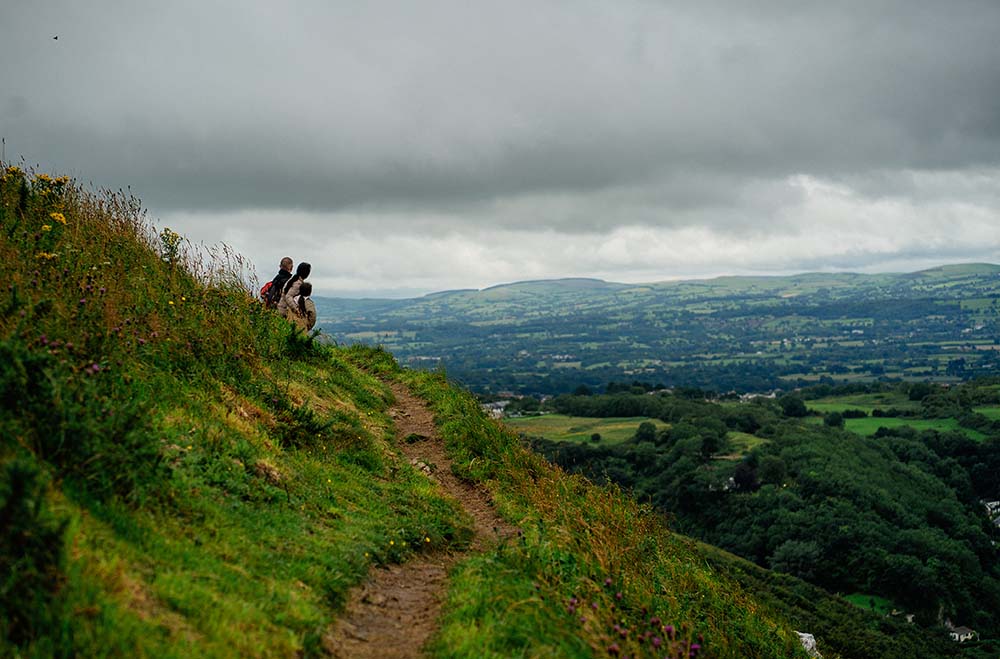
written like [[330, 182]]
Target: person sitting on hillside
[[273, 295], [291, 288], [303, 310]]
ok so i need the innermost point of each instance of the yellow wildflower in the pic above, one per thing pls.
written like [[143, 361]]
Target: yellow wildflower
[[58, 217], [48, 256], [170, 302], [392, 542], [46, 227]]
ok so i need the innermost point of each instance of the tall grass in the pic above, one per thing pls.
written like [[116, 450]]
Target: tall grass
[[181, 472]]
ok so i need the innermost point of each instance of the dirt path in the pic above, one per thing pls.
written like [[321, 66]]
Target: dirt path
[[395, 612]]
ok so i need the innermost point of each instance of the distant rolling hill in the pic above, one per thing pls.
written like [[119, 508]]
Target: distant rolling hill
[[741, 333]]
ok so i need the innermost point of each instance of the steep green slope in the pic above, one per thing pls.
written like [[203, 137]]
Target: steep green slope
[[181, 474]]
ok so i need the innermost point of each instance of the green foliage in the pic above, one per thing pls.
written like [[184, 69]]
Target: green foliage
[[646, 432], [771, 470], [834, 420], [32, 555], [846, 630], [793, 406], [84, 422], [898, 517]]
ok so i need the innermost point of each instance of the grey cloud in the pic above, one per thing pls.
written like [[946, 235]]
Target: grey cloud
[[445, 105]]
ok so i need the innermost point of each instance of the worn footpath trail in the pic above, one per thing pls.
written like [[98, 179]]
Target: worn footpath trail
[[395, 612]]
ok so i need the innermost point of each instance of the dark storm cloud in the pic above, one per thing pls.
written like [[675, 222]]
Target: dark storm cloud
[[449, 106]]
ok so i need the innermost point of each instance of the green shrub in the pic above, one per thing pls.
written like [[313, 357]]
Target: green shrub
[[32, 555], [85, 423]]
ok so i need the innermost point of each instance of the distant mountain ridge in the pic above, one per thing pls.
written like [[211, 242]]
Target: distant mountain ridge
[[575, 283], [721, 333]]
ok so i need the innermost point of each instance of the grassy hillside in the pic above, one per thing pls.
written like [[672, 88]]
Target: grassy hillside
[[181, 474]]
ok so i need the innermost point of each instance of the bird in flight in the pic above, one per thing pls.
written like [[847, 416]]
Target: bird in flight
[[56, 37]]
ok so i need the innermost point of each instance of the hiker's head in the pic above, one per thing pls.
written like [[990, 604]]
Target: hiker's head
[[306, 289], [286, 264], [303, 270]]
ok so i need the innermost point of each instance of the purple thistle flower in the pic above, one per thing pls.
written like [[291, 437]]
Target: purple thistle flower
[[657, 641], [607, 582], [83, 300], [618, 595], [614, 649]]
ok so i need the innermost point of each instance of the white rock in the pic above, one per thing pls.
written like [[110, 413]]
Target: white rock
[[809, 643]]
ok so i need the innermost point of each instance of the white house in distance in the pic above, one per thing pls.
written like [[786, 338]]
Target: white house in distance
[[993, 510], [962, 634]]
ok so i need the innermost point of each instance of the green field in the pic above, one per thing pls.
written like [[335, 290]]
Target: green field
[[866, 402], [740, 444], [991, 411], [879, 605], [562, 428], [869, 425]]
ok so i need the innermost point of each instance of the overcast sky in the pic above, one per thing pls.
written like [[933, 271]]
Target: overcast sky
[[417, 146]]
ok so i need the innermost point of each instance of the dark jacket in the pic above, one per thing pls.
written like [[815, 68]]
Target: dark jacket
[[277, 284]]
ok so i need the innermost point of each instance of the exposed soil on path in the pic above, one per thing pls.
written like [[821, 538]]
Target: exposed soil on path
[[395, 612]]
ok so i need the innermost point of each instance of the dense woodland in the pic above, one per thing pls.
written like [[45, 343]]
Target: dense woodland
[[897, 515]]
